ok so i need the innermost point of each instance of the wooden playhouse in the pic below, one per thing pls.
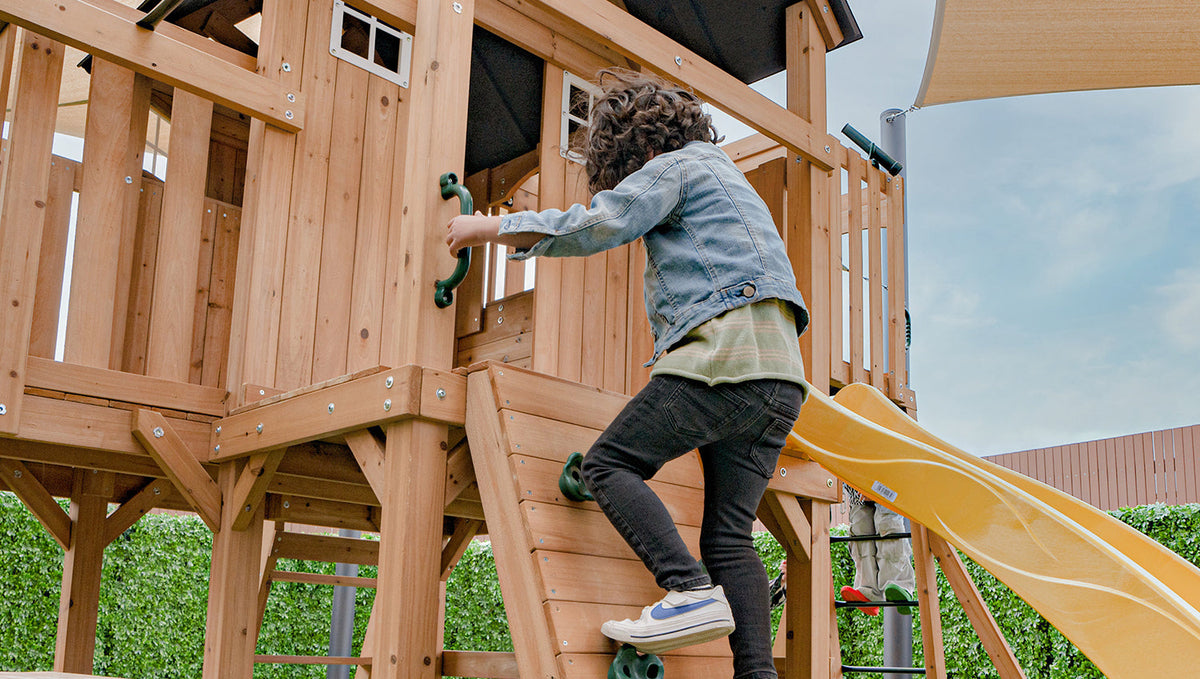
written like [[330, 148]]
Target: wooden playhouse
[[253, 336]]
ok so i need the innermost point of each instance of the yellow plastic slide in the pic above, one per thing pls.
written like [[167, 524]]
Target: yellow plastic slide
[[1126, 602]]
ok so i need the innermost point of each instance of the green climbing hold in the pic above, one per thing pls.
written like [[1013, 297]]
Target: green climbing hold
[[570, 483], [629, 664]]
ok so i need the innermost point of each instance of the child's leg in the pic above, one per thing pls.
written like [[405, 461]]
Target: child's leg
[[894, 556], [736, 472], [862, 552], [641, 439]]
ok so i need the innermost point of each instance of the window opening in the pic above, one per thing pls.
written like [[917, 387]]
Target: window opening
[[578, 98], [371, 44]]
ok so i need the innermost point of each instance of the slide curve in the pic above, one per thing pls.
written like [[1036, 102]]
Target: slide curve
[[1132, 606]]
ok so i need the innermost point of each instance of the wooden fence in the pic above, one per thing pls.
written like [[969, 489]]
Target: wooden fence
[[1125, 471]]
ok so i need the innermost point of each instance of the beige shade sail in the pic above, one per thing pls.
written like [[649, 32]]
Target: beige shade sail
[[981, 49]]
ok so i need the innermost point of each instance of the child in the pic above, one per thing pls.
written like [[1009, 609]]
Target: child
[[728, 377], [883, 569]]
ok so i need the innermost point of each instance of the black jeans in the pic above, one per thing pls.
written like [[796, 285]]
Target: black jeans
[[739, 430]]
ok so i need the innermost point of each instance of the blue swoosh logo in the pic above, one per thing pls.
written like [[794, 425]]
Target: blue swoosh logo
[[660, 613]]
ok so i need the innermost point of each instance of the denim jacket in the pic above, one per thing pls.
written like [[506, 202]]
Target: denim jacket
[[711, 244]]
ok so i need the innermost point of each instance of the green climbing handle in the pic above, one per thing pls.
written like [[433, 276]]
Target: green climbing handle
[[443, 290], [570, 482], [629, 664]]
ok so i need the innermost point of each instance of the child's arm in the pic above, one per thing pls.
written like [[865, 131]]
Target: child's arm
[[466, 231]]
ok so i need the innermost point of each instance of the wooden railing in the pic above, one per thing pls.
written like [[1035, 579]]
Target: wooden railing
[[1124, 471]]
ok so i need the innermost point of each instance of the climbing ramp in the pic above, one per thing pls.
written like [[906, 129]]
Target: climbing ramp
[[1127, 603], [563, 569]]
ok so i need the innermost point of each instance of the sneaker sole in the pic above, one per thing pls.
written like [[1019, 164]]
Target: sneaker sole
[[682, 639]]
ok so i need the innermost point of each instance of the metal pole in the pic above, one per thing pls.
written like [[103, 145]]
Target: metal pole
[[897, 629], [341, 626]]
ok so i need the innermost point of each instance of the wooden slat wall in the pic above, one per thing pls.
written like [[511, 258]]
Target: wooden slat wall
[[1138, 469]]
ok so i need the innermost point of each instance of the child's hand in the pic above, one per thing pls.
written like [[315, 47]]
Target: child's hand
[[466, 231]]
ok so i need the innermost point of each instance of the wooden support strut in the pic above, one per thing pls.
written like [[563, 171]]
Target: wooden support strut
[[179, 464], [38, 500]]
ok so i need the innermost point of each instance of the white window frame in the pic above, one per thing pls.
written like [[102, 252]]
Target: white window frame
[[571, 80], [400, 77]]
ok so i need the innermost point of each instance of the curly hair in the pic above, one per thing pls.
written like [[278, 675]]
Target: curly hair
[[635, 118]]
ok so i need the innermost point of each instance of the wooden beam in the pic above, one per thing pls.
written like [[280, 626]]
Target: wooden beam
[[495, 664], [252, 485], [322, 579], [927, 597], [460, 473], [160, 55], [382, 397], [150, 496], [369, 453], [465, 530], [809, 600], [179, 464], [327, 548], [794, 527], [272, 548], [827, 23], [125, 387], [25, 183], [601, 20], [95, 427], [79, 603], [977, 612], [39, 501]]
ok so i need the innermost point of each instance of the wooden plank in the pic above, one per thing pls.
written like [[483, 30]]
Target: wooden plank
[[8, 57], [585, 530], [152, 495], [641, 341], [520, 582], [838, 367], [808, 600], [600, 20], [584, 666], [875, 278], [52, 260], [576, 628], [79, 602], [136, 147], [98, 28], [502, 319], [465, 530], [542, 395], [39, 502], [322, 579], [460, 473], [182, 215], [261, 658], [254, 351], [25, 185], [320, 512], [973, 605], [91, 427], [804, 478], [592, 345], [220, 294], [355, 405], [897, 282], [616, 319], [306, 215], [141, 281], [593, 579], [327, 548], [495, 664], [831, 32], [385, 112], [120, 386], [179, 464], [791, 527], [208, 236], [1188, 444], [333, 338]]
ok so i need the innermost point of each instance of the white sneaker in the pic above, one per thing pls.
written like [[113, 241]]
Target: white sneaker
[[680, 619]]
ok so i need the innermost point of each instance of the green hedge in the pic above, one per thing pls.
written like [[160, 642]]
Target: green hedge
[[153, 598]]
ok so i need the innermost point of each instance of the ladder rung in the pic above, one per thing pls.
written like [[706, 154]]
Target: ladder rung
[[872, 604], [884, 670], [310, 660], [867, 538]]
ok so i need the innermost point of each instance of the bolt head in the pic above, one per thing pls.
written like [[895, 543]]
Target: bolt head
[[286, 504], [783, 471], [441, 393], [218, 429], [387, 404], [287, 68], [330, 408], [291, 97], [259, 428], [3, 409], [17, 473], [457, 7], [128, 179], [679, 61], [389, 382], [288, 114], [157, 490], [158, 432], [829, 483]]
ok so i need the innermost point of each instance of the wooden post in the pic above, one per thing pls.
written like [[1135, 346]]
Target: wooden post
[[809, 599], [233, 587], [547, 292], [79, 603], [170, 350], [103, 199], [416, 331], [136, 139], [807, 232], [23, 188]]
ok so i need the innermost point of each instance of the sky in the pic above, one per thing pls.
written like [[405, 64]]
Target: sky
[[1054, 254]]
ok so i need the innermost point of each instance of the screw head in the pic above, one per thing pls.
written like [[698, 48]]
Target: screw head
[[158, 432], [389, 382], [330, 408], [218, 429], [387, 404], [217, 448], [259, 428], [287, 68], [441, 393], [286, 504], [17, 473], [291, 97], [128, 179], [783, 471], [288, 114], [829, 483], [679, 61], [157, 490], [457, 7], [3, 409]]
